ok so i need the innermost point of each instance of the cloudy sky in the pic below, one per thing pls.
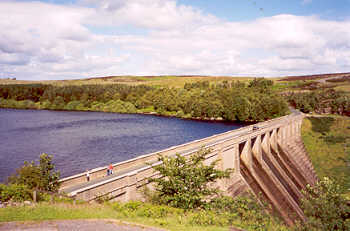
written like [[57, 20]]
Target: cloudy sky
[[66, 39]]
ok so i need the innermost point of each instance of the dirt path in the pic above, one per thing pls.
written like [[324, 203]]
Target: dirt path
[[75, 225]]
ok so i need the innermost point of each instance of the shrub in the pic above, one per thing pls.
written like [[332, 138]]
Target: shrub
[[41, 177], [325, 207], [184, 183], [15, 192]]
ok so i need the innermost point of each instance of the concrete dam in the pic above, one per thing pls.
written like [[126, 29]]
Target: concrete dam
[[269, 160]]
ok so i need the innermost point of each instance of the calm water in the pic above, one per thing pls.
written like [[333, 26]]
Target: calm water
[[81, 140]]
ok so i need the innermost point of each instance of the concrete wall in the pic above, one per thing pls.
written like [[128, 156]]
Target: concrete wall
[[263, 160]]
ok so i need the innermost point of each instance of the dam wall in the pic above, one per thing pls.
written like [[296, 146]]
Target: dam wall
[[269, 160]]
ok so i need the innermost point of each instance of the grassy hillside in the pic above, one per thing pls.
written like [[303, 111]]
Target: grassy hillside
[[169, 81], [327, 140]]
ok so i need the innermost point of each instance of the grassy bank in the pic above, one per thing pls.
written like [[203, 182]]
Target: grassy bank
[[141, 213], [327, 140]]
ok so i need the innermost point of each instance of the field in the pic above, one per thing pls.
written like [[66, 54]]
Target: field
[[170, 81], [338, 81]]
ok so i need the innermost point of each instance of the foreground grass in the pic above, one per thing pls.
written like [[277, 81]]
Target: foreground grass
[[327, 140], [68, 211], [145, 214]]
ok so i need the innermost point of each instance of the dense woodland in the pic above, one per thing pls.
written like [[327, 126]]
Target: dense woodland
[[231, 101], [321, 101]]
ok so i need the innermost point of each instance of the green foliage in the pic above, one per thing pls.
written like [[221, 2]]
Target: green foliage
[[140, 209], [42, 176], [321, 124], [246, 209], [321, 101], [227, 100], [184, 183], [325, 207], [243, 212], [205, 218], [261, 84], [15, 192]]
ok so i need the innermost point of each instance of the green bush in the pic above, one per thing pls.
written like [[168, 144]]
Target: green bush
[[325, 207], [15, 192], [42, 176], [184, 183]]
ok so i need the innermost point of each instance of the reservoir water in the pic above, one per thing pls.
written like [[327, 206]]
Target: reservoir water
[[86, 140]]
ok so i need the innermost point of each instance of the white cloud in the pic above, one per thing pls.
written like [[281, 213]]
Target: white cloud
[[150, 14], [43, 41]]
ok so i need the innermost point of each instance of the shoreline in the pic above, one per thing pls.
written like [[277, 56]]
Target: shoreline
[[210, 120]]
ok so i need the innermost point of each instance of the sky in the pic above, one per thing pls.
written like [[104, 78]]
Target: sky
[[69, 39]]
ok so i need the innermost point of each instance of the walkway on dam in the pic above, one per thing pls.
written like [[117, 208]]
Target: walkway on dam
[[118, 173]]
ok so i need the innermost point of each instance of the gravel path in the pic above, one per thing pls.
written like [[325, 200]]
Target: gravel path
[[75, 225]]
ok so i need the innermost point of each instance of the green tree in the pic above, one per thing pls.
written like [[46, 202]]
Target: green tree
[[261, 84], [184, 183], [42, 176]]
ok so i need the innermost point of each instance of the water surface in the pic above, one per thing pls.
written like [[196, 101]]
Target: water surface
[[86, 140]]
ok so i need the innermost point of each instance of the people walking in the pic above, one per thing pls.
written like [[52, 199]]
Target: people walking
[[110, 169], [87, 175]]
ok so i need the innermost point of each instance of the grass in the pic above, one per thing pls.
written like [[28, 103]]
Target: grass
[[172, 219], [327, 140], [242, 213], [63, 211]]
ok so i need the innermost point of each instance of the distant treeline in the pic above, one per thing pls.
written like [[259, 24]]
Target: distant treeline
[[231, 101], [321, 101]]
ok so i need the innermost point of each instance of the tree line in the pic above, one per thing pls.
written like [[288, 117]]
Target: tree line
[[230, 101], [321, 101]]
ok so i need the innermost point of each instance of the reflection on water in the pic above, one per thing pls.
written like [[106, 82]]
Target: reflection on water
[[81, 140]]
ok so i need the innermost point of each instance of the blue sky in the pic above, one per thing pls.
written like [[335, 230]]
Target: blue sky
[[60, 39], [248, 10]]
